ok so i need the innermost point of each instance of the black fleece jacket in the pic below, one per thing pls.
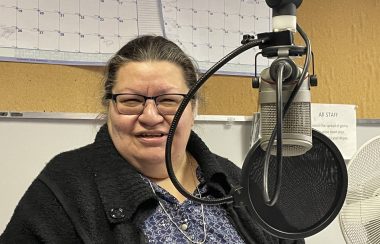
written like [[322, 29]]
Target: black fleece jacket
[[93, 195]]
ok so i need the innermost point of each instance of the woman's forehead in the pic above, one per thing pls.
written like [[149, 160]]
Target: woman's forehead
[[156, 75]]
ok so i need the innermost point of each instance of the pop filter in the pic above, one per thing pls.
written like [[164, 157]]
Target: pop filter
[[313, 189]]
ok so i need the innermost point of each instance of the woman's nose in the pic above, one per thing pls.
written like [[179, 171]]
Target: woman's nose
[[150, 115]]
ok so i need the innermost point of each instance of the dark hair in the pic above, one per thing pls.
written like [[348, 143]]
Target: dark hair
[[148, 48]]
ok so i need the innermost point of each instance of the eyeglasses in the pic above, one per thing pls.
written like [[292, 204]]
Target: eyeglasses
[[134, 104]]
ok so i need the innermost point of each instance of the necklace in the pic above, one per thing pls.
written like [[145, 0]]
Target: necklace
[[180, 228]]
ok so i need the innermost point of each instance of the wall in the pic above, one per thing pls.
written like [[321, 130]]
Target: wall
[[343, 35], [28, 144]]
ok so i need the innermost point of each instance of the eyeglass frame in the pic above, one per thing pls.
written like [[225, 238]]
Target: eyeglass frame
[[113, 97]]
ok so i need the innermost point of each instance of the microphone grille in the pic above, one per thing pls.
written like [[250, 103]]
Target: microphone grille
[[297, 132]]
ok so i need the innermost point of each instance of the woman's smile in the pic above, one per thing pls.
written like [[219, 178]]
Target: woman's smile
[[152, 138]]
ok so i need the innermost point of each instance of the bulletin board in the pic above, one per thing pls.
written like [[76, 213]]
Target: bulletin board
[[346, 61]]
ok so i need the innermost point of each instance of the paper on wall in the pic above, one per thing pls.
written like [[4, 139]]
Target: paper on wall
[[338, 122]]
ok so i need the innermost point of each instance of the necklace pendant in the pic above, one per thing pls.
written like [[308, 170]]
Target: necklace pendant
[[183, 226]]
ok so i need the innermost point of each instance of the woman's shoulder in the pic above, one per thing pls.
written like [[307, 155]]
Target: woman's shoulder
[[230, 168], [226, 163], [72, 168], [70, 160]]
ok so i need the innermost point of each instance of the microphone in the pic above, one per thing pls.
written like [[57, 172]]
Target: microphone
[[286, 188], [296, 129], [291, 136]]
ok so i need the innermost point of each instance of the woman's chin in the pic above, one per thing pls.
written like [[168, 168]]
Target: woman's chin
[[153, 158], [156, 174]]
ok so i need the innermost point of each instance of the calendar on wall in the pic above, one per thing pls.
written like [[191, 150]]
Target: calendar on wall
[[88, 32], [73, 31], [210, 29]]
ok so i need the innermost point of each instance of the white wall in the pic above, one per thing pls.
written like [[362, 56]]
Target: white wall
[[28, 144]]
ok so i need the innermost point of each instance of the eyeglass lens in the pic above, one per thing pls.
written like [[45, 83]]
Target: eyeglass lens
[[132, 104]]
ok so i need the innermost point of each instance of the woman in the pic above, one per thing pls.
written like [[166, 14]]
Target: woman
[[117, 190]]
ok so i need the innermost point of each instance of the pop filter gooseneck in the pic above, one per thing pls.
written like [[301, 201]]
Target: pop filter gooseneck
[[266, 39], [182, 107]]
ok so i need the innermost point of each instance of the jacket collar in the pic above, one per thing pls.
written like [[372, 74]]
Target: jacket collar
[[213, 166], [120, 186], [122, 189]]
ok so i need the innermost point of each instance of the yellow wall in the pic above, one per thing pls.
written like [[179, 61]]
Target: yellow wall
[[343, 34]]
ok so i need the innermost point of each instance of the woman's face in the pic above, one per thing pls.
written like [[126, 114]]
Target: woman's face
[[141, 139]]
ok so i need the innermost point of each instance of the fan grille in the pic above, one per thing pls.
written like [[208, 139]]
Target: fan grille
[[360, 216]]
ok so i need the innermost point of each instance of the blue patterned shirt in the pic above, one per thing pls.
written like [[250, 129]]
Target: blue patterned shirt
[[158, 228]]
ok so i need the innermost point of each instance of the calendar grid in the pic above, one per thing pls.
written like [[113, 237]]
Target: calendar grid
[[210, 29], [88, 32], [84, 32]]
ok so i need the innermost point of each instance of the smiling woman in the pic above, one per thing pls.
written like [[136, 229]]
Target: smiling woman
[[141, 137], [117, 189]]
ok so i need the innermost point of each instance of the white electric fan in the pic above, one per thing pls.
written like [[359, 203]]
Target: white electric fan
[[360, 215]]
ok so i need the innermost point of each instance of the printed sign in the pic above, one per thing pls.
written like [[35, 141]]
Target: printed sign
[[338, 122]]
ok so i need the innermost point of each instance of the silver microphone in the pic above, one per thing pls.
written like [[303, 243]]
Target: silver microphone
[[297, 131]]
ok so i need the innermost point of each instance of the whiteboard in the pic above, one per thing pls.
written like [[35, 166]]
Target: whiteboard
[[28, 144]]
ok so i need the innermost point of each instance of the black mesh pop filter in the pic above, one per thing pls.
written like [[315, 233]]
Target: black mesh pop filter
[[312, 192]]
